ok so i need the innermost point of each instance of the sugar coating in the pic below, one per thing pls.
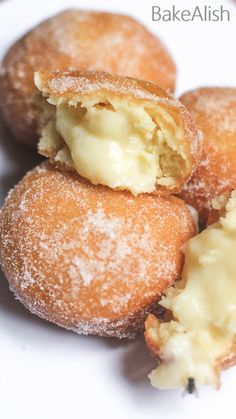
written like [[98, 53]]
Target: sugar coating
[[85, 263], [79, 40], [214, 111], [65, 83], [217, 108]]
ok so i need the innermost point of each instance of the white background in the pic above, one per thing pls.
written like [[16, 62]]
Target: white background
[[47, 372]]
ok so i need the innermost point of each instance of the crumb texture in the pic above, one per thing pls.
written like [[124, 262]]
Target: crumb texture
[[146, 137]]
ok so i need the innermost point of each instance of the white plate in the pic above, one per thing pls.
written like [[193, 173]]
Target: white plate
[[47, 372]]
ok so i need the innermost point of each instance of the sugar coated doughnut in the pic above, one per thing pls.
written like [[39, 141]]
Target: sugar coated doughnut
[[86, 257]]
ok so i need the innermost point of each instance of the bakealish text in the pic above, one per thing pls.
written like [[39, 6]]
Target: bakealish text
[[200, 14]]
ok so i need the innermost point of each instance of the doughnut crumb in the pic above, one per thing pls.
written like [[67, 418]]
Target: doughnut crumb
[[116, 131]]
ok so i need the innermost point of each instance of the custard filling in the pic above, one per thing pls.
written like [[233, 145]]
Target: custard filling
[[115, 144], [203, 330]]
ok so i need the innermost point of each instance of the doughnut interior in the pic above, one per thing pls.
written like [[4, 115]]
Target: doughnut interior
[[115, 131], [199, 341]]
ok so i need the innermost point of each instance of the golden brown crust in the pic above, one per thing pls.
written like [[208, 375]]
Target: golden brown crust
[[151, 327], [66, 85], [89, 258], [214, 111], [229, 360], [75, 40], [72, 87]]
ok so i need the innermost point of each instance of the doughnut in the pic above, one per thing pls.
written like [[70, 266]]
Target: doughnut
[[200, 340], [88, 258], [214, 111], [117, 131], [77, 40]]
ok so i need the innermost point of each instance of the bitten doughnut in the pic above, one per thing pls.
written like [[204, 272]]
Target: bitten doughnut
[[77, 40], [214, 111], [117, 131], [86, 257], [200, 340]]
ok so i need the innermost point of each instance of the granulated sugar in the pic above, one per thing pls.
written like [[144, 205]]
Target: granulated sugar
[[87, 257]]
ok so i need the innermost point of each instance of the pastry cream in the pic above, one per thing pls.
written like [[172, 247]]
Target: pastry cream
[[117, 145], [202, 333]]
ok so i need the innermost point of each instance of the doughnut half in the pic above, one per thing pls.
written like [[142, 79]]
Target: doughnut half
[[199, 339], [77, 40], [214, 111], [118, 131], [88, 258]]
